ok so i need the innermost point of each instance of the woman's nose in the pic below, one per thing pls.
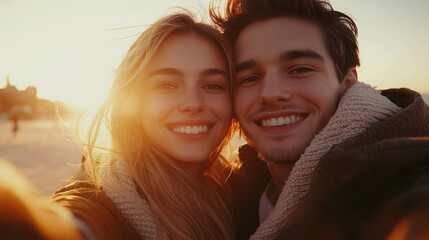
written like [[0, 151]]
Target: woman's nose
[[191, 102]]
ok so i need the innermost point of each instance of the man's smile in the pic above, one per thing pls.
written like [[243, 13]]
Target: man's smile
[[280, 121]]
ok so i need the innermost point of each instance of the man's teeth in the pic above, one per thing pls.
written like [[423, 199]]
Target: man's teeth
[[191, 129], [280, 121]]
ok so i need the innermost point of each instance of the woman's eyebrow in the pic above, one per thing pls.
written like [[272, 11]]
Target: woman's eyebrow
[[173, 71], [165, 71]]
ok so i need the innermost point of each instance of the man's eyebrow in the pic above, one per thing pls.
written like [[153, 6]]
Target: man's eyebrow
[[165, 71], [295, 54], [213, 71], [289, 55], [245, 65]]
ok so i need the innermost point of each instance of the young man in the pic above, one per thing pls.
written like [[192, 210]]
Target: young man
[[343, 157]]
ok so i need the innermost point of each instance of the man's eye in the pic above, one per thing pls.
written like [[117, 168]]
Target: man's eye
[[299, 70], [249, 80]]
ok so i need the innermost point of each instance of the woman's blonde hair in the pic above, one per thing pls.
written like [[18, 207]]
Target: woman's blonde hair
[[185, 205]]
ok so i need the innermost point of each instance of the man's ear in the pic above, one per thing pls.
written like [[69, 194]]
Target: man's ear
[[349, 79]]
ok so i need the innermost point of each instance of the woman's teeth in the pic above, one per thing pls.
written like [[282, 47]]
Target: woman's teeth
[[191, 129], [280, 121]]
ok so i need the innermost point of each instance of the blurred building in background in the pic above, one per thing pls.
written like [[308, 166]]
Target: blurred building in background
[[24, 104]]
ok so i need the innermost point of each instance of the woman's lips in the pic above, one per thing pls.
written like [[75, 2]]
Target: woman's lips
[[190, 129]]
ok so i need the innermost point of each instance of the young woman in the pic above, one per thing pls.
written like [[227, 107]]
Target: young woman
[[159, 174]]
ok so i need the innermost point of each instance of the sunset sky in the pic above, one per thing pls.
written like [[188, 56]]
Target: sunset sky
[[69, 50]]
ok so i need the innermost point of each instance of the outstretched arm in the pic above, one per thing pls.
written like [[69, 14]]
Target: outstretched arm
[[26, 214]]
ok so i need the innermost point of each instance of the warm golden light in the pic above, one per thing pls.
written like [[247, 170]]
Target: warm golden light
[[69, 50], [64, 48]]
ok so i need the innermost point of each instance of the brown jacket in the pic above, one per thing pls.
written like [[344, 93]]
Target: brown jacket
[[96, 209]]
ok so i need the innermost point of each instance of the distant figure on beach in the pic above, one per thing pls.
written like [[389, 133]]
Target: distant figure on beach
[[15, 126], [160, 174]]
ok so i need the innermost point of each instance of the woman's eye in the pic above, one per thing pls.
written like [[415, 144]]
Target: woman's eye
[[165, 86], [249, 80], [214, 86]]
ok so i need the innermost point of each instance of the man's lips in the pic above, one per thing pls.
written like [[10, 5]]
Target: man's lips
[[278, 121]]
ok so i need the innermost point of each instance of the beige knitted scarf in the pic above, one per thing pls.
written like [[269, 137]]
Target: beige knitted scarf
[[360, 108], [121, 189]]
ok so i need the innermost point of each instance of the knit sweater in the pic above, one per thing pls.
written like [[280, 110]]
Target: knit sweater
[[364, 186], [132, 206]]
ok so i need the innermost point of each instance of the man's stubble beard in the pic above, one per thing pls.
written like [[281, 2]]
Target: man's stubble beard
[[284, 154]]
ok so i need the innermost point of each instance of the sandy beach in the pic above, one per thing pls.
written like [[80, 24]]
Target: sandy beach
[[42, 151]]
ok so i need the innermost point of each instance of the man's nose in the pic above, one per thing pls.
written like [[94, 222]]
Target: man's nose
[[274, 90], [191, 102]]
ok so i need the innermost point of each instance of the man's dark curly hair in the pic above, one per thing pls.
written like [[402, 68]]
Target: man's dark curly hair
[[339, 30]]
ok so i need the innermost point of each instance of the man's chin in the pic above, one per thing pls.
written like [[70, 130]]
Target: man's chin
[[281, 152], [280, 155]]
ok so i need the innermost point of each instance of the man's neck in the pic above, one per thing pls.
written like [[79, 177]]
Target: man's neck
[[279, 173]]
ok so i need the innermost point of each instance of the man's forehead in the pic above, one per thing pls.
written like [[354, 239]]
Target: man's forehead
[[275, 36]]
